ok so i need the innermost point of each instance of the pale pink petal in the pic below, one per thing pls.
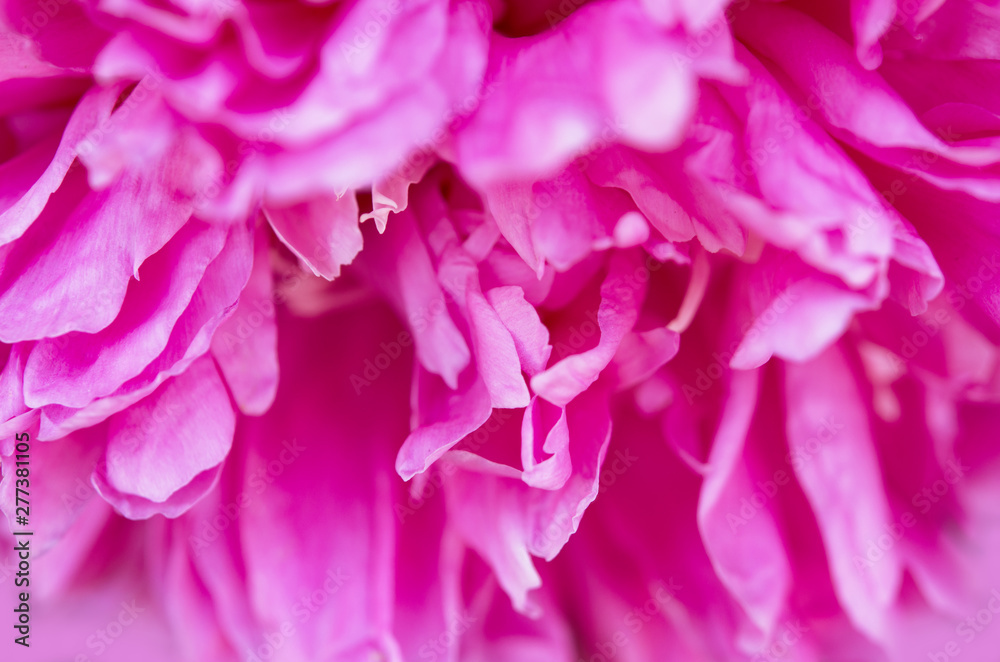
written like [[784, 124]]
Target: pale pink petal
[[245, 345], [322, 232], [161, 444]]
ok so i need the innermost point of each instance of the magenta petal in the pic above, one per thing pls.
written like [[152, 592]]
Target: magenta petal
[[139, 507], [510, 205], [619, 309], [545, 431], [795, 312], [391, 194], [500, 634], [245, 345], [65, 494], [78, 368], [444, 417], [528, 521], [78, 278], [864, 105], [641, 354], [619, 78], [676, 335], [30, 178], [531, 338], [496, 355], [323, 232], [186, 600], [844, 485], [401, 263], [748, 553], [12, 382], [341, 456], [213, 302], [152, 459], [870, 19]]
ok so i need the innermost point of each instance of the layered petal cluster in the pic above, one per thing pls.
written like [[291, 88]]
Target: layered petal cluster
[[466, 330], [287, 100]]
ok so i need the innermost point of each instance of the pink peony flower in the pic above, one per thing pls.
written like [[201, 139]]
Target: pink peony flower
[[675, 333]]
